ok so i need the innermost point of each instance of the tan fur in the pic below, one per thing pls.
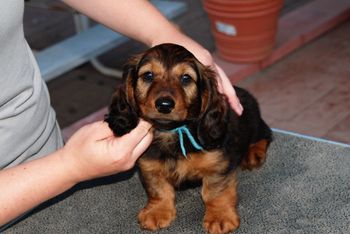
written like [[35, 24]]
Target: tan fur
[[160, 210], [220, 199], [166, 83], [199, 105], [219, 193], [202, 164], [184, 68], [256, 155]]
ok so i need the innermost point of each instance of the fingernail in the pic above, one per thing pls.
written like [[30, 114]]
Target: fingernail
[[240, 108]]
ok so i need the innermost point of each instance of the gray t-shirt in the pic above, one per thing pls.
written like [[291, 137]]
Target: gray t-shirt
[[28, 127]]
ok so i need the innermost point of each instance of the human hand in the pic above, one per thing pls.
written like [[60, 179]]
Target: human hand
[[93, 151], [224, 84], [226, 88]]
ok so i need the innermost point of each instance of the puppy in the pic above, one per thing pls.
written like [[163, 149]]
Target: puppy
[[197, 136]]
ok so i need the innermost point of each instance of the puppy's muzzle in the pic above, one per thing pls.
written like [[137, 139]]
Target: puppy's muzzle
[[165, 105]]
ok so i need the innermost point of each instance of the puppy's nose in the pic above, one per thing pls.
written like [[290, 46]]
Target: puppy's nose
[[165, 105]]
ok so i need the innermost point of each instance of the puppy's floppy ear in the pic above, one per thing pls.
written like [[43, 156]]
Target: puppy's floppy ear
[[123, 112], [122, 116], [212, 125], [130, 78]]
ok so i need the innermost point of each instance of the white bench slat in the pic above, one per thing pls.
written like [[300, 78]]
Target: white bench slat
[[80, 48]]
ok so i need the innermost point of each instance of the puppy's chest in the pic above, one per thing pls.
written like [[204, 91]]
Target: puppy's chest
[[174, 144], [166, 141], [195, 167], [167, 158]]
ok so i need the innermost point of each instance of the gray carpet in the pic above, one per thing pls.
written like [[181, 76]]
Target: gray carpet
[[303, 188]]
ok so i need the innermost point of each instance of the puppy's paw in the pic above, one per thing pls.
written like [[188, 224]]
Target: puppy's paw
[[155, 218], [256, 155], [219, 222]]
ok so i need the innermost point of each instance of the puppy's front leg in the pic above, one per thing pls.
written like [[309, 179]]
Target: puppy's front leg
[[220, 197], [160, 210]]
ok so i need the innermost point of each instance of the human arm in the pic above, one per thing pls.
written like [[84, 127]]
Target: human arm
[[91, 152], [141, 21]]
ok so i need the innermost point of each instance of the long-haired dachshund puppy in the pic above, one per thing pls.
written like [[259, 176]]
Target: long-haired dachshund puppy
[[196, 134]]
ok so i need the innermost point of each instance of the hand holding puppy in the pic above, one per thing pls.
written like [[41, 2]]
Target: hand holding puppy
[[94, 151]]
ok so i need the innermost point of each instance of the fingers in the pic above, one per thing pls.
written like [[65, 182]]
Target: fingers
[[226, 88], [142, 146], [138, 139], [133, 138], [101, 130], [235, 103], [220, 76], [230, 92]]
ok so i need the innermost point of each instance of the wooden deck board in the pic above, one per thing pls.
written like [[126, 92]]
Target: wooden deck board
[[309, 91], [340, 132], [321, 116]]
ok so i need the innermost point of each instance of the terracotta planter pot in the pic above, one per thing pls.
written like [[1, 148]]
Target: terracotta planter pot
[[244, 30], [240, 6]]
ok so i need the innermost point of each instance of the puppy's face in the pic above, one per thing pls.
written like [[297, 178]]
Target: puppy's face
[[165, 84], [169, 87]]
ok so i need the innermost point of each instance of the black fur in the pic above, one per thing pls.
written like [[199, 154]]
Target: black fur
[[215, 126], [122, 117]]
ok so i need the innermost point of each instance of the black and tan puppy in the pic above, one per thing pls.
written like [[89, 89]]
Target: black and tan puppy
[[196, 134]]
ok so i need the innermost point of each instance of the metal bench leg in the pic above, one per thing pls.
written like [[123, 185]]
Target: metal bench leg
[[82, 23]]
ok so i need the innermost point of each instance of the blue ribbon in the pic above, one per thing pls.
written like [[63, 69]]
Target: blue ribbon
[[180, 131]]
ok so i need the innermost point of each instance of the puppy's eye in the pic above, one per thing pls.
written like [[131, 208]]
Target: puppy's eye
[[148, 77], [186, 79]]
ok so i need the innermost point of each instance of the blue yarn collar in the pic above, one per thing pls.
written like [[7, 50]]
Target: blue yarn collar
[[184, 130]]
